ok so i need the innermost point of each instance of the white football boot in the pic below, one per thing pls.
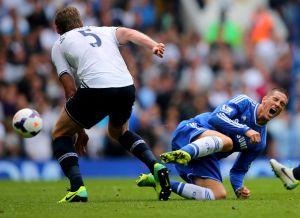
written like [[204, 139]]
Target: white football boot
[[285, 174]]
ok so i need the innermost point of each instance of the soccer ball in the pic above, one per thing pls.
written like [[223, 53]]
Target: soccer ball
[[27, 122]]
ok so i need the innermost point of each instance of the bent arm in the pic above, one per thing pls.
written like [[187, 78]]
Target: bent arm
[[223, 117], [222, 122]]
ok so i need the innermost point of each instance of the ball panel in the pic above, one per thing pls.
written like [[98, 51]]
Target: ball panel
[[19, 125], [27, 122], [33, 124]]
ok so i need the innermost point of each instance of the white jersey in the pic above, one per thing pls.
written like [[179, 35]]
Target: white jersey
[[92, 53]]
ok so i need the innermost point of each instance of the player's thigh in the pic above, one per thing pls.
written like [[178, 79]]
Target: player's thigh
[[227, 141], [121, 107], [65, 126], [88, 106], [217, 187]]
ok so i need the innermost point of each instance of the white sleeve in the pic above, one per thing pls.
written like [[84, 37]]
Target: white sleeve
[[59, 61], [113, 31]]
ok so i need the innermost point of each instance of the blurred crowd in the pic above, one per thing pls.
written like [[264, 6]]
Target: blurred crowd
[[198, 71]]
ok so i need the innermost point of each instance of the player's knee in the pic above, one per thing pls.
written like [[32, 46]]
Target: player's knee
[[58, 132], [55, 133], [220, 194], [227, 143]]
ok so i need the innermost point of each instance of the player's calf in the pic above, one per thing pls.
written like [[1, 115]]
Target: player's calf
[[199, 148], [191, 191], [65, 154], [186, 190], [204, 146], [138, 147]]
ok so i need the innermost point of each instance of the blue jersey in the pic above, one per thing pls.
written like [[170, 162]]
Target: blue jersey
[[234, 118]]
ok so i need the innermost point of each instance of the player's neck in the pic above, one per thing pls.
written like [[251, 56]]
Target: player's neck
[[261, 120]]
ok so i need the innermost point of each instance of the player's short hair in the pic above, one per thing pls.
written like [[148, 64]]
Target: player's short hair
[[67, 18], [278, 89]]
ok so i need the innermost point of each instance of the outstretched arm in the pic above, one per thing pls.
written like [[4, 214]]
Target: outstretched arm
[[125, 35], [239, 170]]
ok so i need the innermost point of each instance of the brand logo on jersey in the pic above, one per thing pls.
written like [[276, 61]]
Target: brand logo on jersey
[[195, 125], [226, 109], [242, 142], [61, 39]]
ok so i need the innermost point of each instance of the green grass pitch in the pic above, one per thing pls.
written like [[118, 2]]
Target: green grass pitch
[[121, 198]]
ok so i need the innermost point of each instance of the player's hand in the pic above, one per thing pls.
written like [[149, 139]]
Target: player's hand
[[254, 136], [159, 50], [243, 193], [81, 142]]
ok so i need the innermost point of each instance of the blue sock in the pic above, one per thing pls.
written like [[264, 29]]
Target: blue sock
[[175, 185], [189, 149]]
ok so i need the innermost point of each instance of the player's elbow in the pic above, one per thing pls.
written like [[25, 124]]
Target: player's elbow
[[70, 93], [124, 35]]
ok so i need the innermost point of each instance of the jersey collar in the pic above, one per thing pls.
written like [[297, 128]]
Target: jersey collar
[[255, 114]]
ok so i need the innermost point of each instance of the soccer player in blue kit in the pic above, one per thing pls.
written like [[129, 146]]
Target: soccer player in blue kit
[[238, 125]]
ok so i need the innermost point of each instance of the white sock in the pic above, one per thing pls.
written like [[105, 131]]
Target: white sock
[[204, 146], [191, 191]]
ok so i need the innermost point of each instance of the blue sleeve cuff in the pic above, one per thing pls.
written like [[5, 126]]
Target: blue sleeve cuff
[[236, 181], [245, 130]]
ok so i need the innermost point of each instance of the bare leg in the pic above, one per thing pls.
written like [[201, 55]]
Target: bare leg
[[63, 149]]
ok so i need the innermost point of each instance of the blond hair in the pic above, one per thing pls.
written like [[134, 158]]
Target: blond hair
[[66, 19]]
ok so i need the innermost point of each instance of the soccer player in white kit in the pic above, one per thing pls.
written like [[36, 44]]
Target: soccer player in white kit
[[106, 89]]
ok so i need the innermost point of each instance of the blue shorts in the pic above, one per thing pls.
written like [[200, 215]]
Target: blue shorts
[[205, 167]]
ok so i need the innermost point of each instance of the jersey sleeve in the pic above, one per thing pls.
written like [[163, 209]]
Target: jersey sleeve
[[241, 167], [222, 117], [112, 30], [59, 61]]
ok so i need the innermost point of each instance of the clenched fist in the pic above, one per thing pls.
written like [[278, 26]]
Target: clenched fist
[[159, 50], [254, 136]]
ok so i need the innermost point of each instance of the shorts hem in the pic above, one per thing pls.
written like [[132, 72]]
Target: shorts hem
[[76, 121], [195, 136], [189, 176]]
